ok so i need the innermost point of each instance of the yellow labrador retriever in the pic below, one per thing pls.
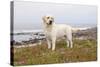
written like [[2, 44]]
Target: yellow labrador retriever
[[53, 31]]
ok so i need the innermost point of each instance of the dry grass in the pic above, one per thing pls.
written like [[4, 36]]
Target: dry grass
[[84, 50]]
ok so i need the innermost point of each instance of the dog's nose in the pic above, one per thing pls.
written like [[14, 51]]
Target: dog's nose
[[50, 22]]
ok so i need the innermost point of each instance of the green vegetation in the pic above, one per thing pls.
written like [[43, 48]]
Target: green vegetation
[[83, 50]]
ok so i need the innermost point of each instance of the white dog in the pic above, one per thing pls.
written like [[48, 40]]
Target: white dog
[[53, 31]]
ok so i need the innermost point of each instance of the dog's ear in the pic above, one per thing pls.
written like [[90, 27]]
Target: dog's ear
[[53, 19]]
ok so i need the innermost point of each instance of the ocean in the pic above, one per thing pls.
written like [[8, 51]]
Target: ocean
[[25, 35]]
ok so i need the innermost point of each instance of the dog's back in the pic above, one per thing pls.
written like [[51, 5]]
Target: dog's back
[[62, 30]]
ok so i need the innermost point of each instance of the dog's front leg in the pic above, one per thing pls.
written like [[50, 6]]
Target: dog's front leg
[[71, 44], [49, 43], [53, 43]]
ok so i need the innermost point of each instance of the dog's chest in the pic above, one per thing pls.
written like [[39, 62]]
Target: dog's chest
[[48, 34]]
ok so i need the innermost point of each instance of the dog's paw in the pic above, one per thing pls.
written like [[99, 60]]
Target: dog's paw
[[49, 47], [71, 46], [53, 49], [68, 45]]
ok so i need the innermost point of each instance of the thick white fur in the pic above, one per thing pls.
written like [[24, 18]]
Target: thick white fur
[[54, 31]]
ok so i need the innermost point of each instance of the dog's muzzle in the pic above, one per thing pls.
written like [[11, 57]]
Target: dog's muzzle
[[50, 22]]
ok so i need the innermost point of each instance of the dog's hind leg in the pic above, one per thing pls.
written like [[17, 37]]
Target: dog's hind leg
[[70, 42], [67, 43]]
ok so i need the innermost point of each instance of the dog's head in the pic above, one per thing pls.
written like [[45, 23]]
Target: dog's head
[[48, 20]]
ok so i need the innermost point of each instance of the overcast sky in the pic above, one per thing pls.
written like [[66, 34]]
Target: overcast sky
[[28, 15]]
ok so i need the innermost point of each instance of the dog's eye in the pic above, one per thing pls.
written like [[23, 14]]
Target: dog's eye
[[51, 18], [47, 17]]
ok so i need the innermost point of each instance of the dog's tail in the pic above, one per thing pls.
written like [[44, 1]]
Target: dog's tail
[[75, 29]]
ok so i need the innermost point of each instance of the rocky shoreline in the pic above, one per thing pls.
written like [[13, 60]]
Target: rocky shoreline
[[80, 35]]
